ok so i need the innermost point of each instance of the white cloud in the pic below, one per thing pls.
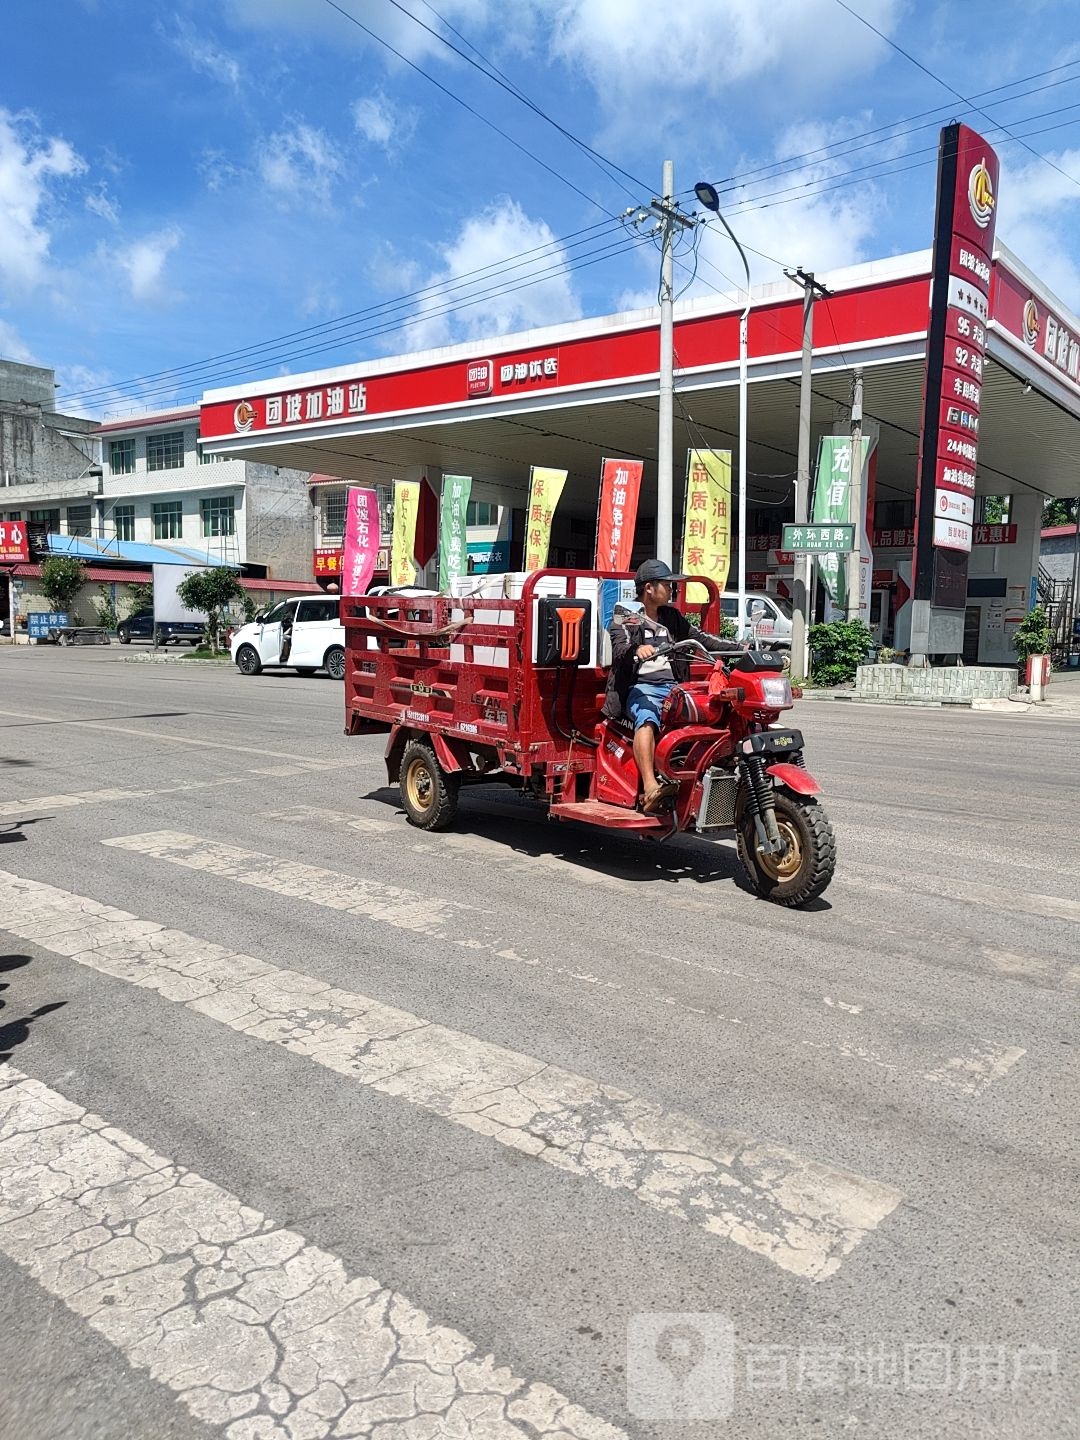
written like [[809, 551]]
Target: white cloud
[[645, 71], [204, 56], [144, 263], [1037, 218], [13, 347], [30, 166], [99, 203], [382, 123], [498, 234], [300, 163]]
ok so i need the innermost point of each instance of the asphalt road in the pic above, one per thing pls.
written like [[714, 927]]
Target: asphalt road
[[305, 1114]]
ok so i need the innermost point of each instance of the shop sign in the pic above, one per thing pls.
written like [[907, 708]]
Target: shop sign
[[488, 557], [513, 373], [1043, 332], [480, 378], [327, 562], [763, 542], [951, 506], [14, 543]]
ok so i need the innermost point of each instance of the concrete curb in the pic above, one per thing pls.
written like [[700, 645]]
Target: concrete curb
[[171, 660]]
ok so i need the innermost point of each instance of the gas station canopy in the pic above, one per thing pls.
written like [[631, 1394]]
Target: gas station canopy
[[572, 394]]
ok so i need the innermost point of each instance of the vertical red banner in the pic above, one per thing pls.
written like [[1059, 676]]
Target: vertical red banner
[[620, 485], [361, 541]]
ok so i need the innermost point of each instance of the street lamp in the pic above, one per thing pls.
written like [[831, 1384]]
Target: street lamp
[[709, 197]]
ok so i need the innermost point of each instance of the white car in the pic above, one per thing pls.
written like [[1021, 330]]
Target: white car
[[767, 619], [303, 633]]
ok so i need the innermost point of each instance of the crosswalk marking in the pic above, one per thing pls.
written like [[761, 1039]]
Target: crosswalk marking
[[234, 1313], [929, 1054], [802, 1215]]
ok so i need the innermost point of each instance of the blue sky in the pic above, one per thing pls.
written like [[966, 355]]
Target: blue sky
[[181, 181]]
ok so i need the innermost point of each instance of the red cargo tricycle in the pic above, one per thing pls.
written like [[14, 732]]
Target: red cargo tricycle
[[479, 689]]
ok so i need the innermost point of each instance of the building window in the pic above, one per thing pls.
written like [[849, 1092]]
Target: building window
[[122, 456], [165, 451], [333, 527], [218, 515], [168, 518], [49, 518], [481, 512], [205, 459], [78, 519], [14, 514], [124, 521]]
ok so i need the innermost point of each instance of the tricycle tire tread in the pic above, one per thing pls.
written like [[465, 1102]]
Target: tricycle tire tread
[[810, 883], [417, 759]]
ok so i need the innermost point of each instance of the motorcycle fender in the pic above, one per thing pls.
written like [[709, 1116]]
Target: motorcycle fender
[[795, 778]]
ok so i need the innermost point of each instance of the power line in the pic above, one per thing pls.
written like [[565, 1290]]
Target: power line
[[945, 84], [493, 73], [590, 258], [821, 154], [505, 266], [464, 104]]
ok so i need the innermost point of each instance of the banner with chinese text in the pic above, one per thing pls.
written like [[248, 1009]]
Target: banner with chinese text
[[403, 541], [361, 541], [545, 489], [831, 506], [453, 548], [620, 485], [707, 520]]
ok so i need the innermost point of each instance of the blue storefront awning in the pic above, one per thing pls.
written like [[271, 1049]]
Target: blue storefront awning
[[86, 547]]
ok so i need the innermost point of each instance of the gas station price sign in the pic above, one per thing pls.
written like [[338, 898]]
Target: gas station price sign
[[818, 539]]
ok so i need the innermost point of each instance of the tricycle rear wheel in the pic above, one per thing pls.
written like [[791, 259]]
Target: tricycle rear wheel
[[805, 870], [428, 794]]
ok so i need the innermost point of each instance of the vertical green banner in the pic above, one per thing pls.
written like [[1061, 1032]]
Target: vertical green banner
[[453, 549], [832, 503]]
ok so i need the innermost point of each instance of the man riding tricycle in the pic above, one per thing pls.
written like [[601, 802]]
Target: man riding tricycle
[[597, 695]]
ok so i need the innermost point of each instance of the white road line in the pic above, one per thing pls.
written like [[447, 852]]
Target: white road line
[[803, 1215], [104, 797], [232, 1312], [935, 1063], [162, 737]]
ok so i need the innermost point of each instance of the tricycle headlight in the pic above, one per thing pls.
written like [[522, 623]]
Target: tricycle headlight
[[776, 690]]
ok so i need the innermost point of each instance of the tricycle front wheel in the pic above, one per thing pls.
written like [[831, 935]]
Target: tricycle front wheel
[[428, 794], [805, 869]]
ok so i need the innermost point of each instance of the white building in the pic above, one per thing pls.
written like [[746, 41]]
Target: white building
[[157, 485]]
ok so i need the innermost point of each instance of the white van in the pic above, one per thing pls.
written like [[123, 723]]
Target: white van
[[766, 620], [303, 633]]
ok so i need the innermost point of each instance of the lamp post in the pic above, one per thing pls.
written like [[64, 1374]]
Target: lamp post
[[708, 196]]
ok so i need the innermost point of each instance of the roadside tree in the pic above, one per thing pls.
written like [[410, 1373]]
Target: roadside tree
[[210, 591], [61, 580]]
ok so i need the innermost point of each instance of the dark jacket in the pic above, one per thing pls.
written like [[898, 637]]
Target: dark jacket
[[628, 632]]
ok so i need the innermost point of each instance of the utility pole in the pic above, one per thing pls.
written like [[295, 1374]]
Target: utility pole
[[670, 217], [802, 587], [855, 493]]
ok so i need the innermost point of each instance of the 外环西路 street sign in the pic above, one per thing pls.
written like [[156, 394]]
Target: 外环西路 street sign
[[818, 539]]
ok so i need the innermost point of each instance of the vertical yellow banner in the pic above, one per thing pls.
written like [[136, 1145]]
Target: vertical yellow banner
[[403, 543], [707, 520], [545, 488]]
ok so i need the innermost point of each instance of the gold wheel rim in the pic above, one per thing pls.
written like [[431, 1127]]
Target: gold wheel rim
[[783, 867], [420, 785]]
